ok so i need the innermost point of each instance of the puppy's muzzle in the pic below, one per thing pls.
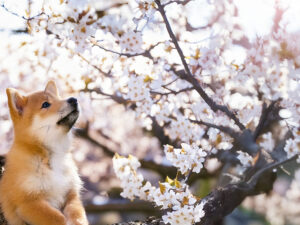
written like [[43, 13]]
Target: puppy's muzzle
[[69, 120]]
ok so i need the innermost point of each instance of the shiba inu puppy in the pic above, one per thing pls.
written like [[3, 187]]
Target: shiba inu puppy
[[40, 185]]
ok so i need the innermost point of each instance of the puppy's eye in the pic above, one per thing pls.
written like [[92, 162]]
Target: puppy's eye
[[46, 105]]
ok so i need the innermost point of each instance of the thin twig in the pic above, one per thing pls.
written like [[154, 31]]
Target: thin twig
[[172, 92], [224, 129], [23, 17], [115, 97], [269, 167], [178, 2], [171, 82], [146, 53], [107, 74]]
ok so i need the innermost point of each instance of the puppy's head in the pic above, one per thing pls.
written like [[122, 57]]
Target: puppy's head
[[42, 115]]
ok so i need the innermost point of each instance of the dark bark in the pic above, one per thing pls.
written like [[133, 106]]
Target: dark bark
[[124, 205], [149, 221]]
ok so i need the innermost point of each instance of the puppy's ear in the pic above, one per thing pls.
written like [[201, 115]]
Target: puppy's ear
[[16, 102], [51, 88]]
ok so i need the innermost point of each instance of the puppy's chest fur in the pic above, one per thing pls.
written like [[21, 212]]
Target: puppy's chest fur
[[53, 178]]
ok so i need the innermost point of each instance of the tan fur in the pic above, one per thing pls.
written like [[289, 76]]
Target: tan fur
[[40, 185]]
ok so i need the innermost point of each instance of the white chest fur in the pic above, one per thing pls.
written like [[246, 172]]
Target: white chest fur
[[63, 177], [54, 180]]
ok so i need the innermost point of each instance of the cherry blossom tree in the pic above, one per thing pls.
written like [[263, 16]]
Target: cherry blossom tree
[[187, 99]]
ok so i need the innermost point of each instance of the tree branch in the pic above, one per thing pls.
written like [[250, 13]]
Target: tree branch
[[23, 17], [122, 205], [184, 2], [224, 200], [252, 181], [146, 53], [188, 75], [266, 111], [226, 130], [118, 99], [172, 92], [107, 74], [242, 140]]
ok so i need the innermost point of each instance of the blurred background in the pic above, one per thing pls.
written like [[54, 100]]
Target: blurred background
[[108, 123]]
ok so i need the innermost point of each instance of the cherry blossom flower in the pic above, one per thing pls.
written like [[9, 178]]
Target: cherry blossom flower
[[131, 42], [170, 194], [292, 147], [188, 158], [127, 72], [245, 159]]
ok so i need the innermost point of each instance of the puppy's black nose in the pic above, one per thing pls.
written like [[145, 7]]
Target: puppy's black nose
[[72, 101]]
